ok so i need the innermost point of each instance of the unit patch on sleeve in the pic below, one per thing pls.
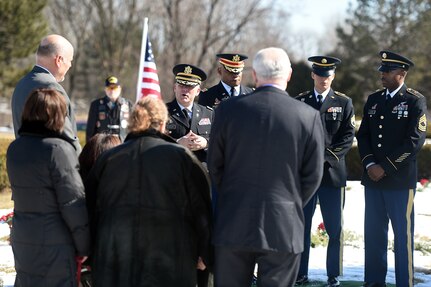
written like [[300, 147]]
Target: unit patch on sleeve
[[422, 126]]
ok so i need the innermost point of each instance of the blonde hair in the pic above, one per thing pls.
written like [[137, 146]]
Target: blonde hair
[[148, 113]]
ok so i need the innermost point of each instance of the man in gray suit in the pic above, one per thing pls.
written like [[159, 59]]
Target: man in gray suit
[[54, 57], [266, 159]]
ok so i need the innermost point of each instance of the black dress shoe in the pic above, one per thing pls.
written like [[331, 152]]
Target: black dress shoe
[[375, 285], [333, 282], [301, 280]]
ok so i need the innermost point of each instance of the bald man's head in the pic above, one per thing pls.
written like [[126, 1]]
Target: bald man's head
[[55, 53]]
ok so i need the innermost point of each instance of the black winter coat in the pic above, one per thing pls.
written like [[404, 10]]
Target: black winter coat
[[152, 213], [50, 223]]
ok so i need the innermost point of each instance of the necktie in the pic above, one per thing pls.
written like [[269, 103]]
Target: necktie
[[232, 92], [186, 115], [319, 100]]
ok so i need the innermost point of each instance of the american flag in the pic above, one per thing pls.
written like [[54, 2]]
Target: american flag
[[148, 81]]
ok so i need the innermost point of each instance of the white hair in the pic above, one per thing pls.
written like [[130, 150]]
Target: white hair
[[272, 64]]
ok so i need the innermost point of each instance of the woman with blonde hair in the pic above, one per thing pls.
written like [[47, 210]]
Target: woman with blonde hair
[[153, 207], [50, 224]]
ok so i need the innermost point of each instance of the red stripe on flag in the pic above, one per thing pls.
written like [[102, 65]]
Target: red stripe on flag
[[149, 80]]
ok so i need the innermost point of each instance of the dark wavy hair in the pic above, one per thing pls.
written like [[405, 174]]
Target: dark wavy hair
[[46, 106]]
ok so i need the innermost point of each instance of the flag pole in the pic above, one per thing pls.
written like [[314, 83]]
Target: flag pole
[[142, 58]]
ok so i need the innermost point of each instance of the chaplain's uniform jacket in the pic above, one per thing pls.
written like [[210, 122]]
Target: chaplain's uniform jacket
[[214, 95], [178, 126], [103, 116], [390, 135], [337, 115]]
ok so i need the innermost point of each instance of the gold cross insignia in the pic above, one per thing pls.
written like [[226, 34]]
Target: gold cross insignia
[[236, 58], [188, 70]]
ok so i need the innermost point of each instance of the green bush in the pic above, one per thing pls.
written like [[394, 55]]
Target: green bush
[[4, 180]]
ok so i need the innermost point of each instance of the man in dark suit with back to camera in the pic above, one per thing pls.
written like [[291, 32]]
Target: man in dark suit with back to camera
[[54, 58], [338, 119], [266, 160], [189, 123], [392, 131], [230, 69]]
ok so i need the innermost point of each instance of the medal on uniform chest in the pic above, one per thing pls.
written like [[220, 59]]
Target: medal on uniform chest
[[334, 111]]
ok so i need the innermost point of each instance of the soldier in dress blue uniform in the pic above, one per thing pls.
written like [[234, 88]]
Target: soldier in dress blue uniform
[[392, 131], [109, 114], [190, 123], [338, 119], [230, 69]]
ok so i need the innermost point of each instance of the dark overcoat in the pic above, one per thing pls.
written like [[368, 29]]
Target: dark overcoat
[[152, 213], [50, 223]]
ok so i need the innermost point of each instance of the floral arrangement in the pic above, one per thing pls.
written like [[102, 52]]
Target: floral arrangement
[[423, 185], [320, 237], [7, 219]]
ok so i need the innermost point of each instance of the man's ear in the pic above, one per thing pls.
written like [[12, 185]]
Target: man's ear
[[219, 70], [253, 73]]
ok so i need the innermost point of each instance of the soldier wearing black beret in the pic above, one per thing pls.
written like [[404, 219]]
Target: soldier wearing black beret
[[230, 69], [392, 131], [338, 119]]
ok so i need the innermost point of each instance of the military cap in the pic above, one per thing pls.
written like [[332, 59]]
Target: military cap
[[392, 61], [324, 66], [188, 75], [233, 63], [112, 81]]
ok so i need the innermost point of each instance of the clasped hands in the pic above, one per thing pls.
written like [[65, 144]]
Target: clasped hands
[[376, 172], [193, 141]]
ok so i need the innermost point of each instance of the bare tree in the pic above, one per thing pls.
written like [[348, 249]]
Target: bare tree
[[71, 18]]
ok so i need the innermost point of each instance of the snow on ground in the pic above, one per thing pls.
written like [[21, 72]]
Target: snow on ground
[[353, 251]]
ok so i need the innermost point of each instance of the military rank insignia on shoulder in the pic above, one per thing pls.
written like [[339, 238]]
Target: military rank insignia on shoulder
[[422, 126], [414, 93], [209, 108], [303, 94], [340, 94], [204, 90]]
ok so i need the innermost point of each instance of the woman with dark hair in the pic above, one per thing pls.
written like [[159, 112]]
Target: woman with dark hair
[[50, 223], [153, 207], [96, 145]]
